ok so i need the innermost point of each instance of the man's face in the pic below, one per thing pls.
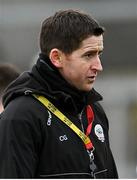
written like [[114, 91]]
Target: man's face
[[81, 67]]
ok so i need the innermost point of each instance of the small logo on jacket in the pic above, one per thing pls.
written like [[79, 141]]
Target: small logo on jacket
[[99, 132], [49, 119], [63, 138]]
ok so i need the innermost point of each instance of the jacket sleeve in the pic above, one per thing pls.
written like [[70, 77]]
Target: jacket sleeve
[[20, 141]]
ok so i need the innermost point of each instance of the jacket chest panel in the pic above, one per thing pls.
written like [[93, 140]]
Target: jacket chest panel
[[62, 137], [64, 150]]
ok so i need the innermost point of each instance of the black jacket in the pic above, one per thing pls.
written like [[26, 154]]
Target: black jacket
[[34, 143]]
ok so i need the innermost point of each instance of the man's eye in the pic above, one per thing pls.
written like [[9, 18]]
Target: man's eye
[[89, 55], [92, 54]]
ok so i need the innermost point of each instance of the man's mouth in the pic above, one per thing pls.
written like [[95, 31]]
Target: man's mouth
[[91, 78]]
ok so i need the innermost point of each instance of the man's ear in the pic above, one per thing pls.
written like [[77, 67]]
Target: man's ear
[[55, 57]]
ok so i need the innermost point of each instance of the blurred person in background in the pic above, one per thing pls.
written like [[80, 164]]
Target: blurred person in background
[[8, 73], [53, 125]]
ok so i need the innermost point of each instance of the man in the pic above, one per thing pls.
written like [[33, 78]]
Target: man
[[8, 73], [53, 125]]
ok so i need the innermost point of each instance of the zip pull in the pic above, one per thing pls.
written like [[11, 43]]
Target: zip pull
[[92, 165], [90, 153]]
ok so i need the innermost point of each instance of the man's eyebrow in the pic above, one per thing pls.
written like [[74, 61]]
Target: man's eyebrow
[[94, 51]]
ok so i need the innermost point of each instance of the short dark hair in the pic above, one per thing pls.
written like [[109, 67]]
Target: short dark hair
[[66, 30], [8, 73]]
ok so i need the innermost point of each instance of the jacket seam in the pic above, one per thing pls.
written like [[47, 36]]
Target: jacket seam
[[105, 170], [64, 174]]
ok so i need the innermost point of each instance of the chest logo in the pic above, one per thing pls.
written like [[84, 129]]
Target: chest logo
[[99, 132], [63, 138]]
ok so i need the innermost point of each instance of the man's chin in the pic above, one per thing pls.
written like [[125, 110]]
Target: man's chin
[[87, 89]]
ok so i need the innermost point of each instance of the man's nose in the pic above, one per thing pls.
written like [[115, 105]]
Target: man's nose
[[97, 64]]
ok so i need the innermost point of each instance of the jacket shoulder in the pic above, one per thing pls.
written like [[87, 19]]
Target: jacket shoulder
[[25, 105]]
